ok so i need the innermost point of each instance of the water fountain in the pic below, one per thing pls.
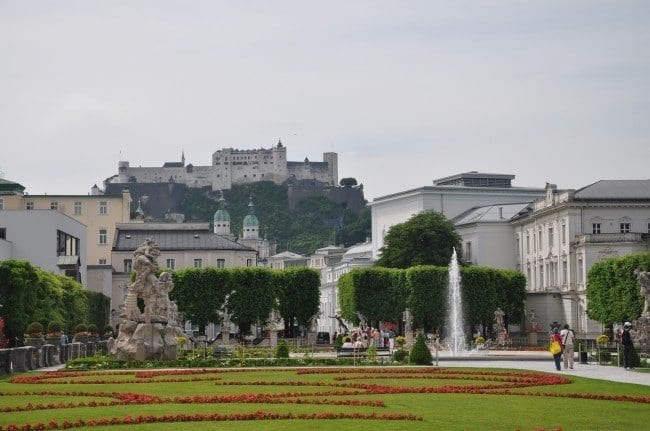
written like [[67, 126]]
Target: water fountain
[[455, 318]]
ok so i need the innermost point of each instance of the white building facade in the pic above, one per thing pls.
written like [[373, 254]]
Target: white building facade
[[450, 196], [561, 236]]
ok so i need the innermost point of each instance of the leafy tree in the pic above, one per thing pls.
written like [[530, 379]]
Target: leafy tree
[[298, 296], [200, 293], [427, 295], [355, 228], [427, 238], [253, 296], [613, 293], [348, 182]]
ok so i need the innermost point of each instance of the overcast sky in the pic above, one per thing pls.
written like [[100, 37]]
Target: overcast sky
[[404, 91]]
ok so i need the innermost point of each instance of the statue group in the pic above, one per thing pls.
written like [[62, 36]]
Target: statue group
[[148, 334]]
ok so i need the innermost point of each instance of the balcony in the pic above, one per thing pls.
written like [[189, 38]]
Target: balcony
[[595, 238]]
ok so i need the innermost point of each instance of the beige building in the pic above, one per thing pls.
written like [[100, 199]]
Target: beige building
[[99, 213]]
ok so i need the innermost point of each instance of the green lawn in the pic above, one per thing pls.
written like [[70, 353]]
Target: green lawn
[[383, 398]]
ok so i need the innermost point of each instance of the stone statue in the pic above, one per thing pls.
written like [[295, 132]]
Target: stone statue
[[274, 320], [148, 335], [499, 326], [643, 277], [407, 318], [363, 322], [532, 320]]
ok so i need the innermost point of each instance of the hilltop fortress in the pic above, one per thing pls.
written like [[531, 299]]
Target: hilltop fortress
[[232, 166]]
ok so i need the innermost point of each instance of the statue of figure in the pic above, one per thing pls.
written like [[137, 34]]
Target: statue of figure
[[498, 318], [407, 317], [225, 319], [363, 322], [643, 277], [274, 320], [532, 320]]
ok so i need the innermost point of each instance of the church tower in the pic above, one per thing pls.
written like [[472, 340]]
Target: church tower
[[251, 226], [222, 218]]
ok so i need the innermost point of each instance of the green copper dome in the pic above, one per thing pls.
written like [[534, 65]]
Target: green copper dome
[[251, 219], [221, 214]]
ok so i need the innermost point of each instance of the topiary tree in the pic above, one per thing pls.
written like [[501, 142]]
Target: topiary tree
[[282, 351], [54, 328], [34, 330], [93, 329], [80, 328], [420, 353]]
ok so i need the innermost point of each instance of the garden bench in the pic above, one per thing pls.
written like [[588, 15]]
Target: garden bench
[[362, 352]]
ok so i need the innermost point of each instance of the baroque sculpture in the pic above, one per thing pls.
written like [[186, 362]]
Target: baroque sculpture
[[150, 334], [641, 335]]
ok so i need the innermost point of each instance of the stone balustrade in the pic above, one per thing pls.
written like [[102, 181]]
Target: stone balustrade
[[21, 359]]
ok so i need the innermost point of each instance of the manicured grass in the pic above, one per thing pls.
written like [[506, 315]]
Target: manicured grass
[[382, 398]]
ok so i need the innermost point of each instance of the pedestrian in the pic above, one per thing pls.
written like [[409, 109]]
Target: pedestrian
[[626, 340], [568, 337], [555, 347]]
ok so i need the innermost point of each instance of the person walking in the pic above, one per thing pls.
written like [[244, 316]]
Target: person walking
[[568, 337], [555, 343], [626, 341]]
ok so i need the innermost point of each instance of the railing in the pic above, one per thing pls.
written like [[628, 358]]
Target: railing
[[610, 237]]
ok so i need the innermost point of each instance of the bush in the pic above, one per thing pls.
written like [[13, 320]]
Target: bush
[[602, 339], [93, 329], [80, 328], [108, 330], [400, 355], [479, 340], [400, 340], [54, 328], [34, 330], [338, 342], [420, 353], [282, 351]]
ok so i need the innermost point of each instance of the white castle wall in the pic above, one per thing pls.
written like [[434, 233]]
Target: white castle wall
[[231, 166]]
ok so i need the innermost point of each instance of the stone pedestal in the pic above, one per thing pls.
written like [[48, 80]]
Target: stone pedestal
[[144, 341], [532, 338], [641, 334], [273, 339], [225, 337]]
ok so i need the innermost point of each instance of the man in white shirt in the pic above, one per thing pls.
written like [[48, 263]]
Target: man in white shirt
[[568, 337]]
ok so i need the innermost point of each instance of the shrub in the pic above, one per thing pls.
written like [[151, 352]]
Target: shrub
[[34, 330], [282, 351], [400, 355], [338, 342], [80, 328], [108, 330], [371, 353], [400, 340], [420, 353], [93, 329], [54, 328], [347, 339], [479, 340], [602, 339]]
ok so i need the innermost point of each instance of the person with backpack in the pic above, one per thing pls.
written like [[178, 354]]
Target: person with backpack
[[568, 337]]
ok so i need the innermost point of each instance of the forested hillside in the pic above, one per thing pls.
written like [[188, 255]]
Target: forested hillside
[[315, 222]]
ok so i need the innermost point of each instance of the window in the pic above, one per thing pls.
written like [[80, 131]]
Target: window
[[541, 276], [595, 228], [648, 227], [198, 263], [221, 263], [517, 252], [77, 208], [540, 239], [2, 204], [528, 244], [3, 233], [102, 261], [29, 205], [550, 237], [468, 251], [565, 272], [103, 236], [66, 245], [103, 208], [249, 262], [625, 228], [563, 234], [128, 265], [54, 206], [171, 263]]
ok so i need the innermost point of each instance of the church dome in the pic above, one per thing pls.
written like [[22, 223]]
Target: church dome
[[251, 220], [221, 215]]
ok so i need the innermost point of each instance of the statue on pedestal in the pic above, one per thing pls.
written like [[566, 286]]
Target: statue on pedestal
[[151, 334]]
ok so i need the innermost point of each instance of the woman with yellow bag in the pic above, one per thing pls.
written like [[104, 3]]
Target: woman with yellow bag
[[555, 347]]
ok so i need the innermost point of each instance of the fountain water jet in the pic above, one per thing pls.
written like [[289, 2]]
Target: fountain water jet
[[455, 318]]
